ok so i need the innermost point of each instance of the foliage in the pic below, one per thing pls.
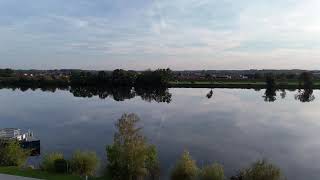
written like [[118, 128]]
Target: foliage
[[130, 157], [306, 80], [6, 72], [48, 162], [152, 162], [270, 81], [84, 163], [61, 166], [158, 78], [213, 172], [11, 153], [123, 78], [262, 170], [185, 168]]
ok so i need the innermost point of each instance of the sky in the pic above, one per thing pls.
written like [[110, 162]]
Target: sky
[[142, 34]]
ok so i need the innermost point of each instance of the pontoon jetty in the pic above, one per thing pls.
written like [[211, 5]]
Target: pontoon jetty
[[27, 140]]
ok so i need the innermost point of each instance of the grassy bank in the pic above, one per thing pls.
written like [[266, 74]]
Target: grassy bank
[[245, 84], [41, 174]]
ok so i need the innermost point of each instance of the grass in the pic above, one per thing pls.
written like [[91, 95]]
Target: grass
[[291, 84], [16, 171]]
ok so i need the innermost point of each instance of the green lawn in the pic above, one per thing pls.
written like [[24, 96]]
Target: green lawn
[[41, 174]]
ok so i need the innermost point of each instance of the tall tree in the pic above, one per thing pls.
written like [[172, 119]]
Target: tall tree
[[130, 157]]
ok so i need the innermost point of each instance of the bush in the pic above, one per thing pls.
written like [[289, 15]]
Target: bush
[[61, 166], [84, 163], [262, 170], [11, 153], [185, 169], [213, 172], [48, 162]]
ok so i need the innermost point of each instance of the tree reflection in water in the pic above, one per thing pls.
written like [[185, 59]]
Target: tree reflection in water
[[123, 93], [160, 95], [305, 95], [270, 95]]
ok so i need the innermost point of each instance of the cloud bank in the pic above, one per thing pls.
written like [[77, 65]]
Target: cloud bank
[[140, 34]]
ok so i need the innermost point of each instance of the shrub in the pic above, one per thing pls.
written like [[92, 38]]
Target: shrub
[[61, 166], [185, 168], [213, 172], [48, 162], [11, 153], [84, 163], [262, 170]]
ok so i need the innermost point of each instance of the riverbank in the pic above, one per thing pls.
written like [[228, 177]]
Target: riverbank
[[38, 174], [242, 84]]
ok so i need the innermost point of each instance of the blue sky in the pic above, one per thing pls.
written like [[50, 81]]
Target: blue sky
[[141, 34]]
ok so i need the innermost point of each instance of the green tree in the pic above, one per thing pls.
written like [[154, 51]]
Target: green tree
[[271, 81], [84, 163], [185, 168], [130, 157], [48, 162], [212, 172], [262, 170], [306, 80], [11, 153]]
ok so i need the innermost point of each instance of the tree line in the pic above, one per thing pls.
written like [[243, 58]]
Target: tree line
[[116, 78], [131, 157], [120, 77]]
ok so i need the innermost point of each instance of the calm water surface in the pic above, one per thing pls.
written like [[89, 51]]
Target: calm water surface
[[235, 127]]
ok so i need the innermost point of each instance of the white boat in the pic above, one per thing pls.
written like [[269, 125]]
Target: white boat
[[27, 140]]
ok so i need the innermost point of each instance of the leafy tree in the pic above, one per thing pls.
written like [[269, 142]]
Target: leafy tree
[[157, 78], [213, 172], [270, 82], [48, 162], [152, 163], [11, 153], [185, 168], [121, 77], [262, 170], [306, 80], [6, 72], [270, 93], [130, 157], [84, 163]]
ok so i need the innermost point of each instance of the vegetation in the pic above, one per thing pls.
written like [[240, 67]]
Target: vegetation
[[11, 153], [84, 163], [39, 174], [212, 172], [130, 157], [260, 170], [306, 80], [185, 168], [122, 78], [49, 160], [61, 166]]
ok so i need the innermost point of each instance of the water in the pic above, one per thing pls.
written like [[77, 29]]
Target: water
[[235, 127]]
